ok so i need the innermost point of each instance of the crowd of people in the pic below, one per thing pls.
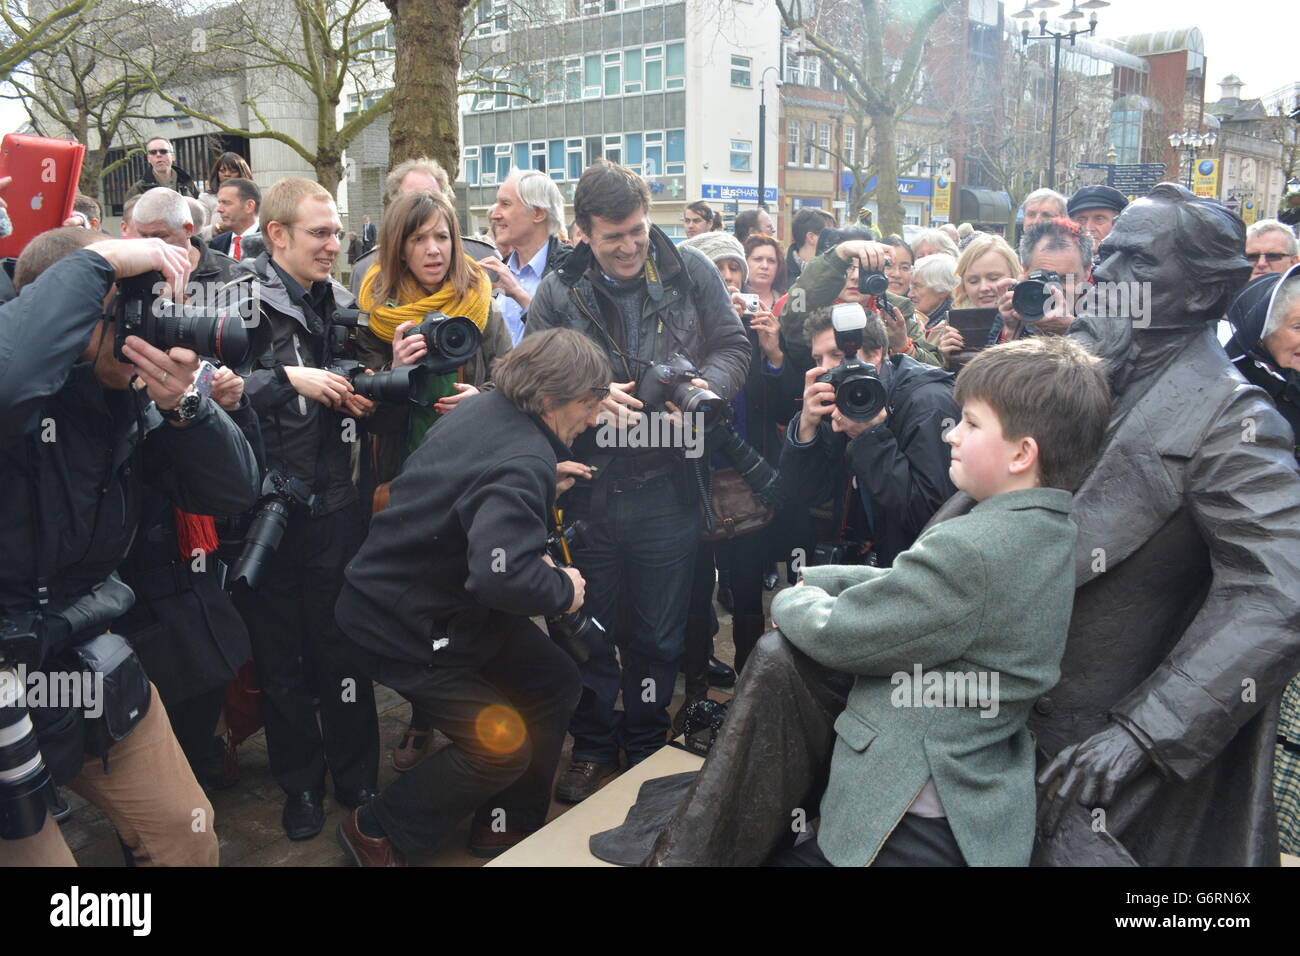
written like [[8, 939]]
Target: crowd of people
[[396, 477]]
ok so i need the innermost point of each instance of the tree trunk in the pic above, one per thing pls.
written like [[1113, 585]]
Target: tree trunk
[[426, 110], [329, 171], [887, 201]]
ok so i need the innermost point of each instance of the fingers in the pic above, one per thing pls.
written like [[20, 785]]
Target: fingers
[[572, 469], [564, 484]]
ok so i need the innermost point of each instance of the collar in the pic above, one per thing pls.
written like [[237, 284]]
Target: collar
[[1050, 499], [252, 230], [316, 299], [537, 263]]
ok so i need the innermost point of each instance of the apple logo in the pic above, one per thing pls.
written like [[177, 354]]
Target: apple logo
[[37, 200]]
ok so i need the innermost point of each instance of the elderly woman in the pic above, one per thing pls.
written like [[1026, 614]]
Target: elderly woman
[[933, 280], [1265, 347], [930, 241]]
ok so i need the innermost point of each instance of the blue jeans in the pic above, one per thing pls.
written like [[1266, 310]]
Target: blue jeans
[[637, 560]]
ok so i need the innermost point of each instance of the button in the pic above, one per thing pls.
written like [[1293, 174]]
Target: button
[[1044, 706]]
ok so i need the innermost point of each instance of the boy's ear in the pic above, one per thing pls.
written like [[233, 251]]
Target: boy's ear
[[1025, 458]]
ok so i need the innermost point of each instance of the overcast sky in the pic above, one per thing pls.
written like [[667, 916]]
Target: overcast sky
[[1255, 41]]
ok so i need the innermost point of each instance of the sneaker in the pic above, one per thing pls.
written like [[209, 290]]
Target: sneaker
[[582, 779]]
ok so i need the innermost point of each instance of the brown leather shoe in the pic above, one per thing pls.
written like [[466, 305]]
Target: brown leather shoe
[[364, 850], [413, 748], [485, 842], [582, 779]]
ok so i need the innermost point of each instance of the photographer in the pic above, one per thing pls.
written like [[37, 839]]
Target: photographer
[[642, 300], [890, 473], [87, 439], [308, 424], [1058, 252], [439, 598]]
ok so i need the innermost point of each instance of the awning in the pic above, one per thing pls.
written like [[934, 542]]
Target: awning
[[984, 207]]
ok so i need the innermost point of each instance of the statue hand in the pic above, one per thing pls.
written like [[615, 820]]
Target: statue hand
[[1093, 772]]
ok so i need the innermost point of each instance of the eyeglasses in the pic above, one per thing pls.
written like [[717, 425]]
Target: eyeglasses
[[322, 235], [600, 391], [159, 152], [1270, 256]]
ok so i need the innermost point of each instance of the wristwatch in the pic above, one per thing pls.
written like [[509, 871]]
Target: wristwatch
[[187, 409]]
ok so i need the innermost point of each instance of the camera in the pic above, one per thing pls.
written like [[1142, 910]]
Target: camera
[[219, 331], [572, 631], [1032, 295], [26, 787], [452, 339], [838, 552], [872, 283], [403, 384], [752, 302], [859, 392], [279, 493], [670, 381]]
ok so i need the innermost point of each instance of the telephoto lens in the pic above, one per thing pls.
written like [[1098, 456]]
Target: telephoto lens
[[25, 784], [263, 538], [232, 331], [670, 381]]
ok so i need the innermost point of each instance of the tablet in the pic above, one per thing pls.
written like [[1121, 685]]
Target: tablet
[[45, 175], [974, 325]]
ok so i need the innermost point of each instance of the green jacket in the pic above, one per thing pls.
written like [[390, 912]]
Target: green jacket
[[989, 595], [820, 284]]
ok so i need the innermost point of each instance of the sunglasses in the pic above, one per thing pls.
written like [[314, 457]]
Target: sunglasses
[[1270, 256], [159, 152]]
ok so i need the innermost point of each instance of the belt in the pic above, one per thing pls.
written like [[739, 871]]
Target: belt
[[635, 482]]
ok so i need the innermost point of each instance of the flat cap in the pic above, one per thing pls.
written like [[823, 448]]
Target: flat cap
[[1097, 197]]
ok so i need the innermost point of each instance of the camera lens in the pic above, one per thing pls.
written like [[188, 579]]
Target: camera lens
[[691, 398], [456, 337], [24, 779], [402, 384], [860, 397], [263, 538]]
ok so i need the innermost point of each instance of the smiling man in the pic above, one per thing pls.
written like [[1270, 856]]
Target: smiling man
[[1270, 247], [641, 299]]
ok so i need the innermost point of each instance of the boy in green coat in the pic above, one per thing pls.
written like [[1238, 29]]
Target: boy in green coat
[[933, 763]]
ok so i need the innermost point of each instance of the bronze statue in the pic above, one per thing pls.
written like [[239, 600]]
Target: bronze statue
[[1156, 745]]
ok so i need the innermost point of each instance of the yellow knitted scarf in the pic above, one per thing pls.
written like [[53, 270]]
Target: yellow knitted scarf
[[385, 318]]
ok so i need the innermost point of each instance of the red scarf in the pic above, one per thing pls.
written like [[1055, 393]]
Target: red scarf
[[195, 532]]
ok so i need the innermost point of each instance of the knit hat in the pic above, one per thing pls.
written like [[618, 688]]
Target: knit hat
[[718, 246]]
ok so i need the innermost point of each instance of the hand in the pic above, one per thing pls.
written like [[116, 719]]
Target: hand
[[166, 375], [329, 389], [769, 337], [408, 350], [738, 303], [853, 429], [130, 257], [818, 402], [871, 255], [895, 328], [1093, 772], [620, 403], [463, 391], [1005, 309], [77, 219], [4, 184], [567, 474], [946, 339], [227, 389], [579, 588], [506, 281], [357, 405]]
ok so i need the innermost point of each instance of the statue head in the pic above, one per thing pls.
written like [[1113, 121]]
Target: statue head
[[1186, 249]]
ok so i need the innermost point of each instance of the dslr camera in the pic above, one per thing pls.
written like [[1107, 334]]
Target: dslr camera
[[26, 787], [280, 492], [1032, 296], [452, 341], [670, 381], [219, 331], [859, 393]]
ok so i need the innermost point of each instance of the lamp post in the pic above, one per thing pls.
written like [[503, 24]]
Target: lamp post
[[1190, 141], [762, 134], [1074, 13]]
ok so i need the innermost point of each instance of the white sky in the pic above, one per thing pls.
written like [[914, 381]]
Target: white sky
[[1255, 41]]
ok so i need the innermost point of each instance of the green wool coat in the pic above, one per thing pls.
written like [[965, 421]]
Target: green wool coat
[[982, 603]]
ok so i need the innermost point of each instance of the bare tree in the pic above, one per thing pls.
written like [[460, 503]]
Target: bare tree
[[23, 35]]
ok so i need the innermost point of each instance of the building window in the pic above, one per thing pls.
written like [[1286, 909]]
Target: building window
[[573, 154], [555, 160], [634, 152], [632, 71], [613, 73], [591, 84], [555, 86], [676, 78], [810, 144], [850, 143], [470, 165], [742, 151], [614, 148], [654, 69], [503, 163], [521, 156], [792, 143], [573, 79], [740, 70], [823, 145], [537, 157], [379, 45], [490, 16], [676, 165], [654, 154]]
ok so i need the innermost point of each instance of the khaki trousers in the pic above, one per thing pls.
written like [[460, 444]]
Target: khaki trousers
[[149, 795]]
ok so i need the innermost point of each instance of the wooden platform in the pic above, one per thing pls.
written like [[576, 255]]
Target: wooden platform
[[563, 841]]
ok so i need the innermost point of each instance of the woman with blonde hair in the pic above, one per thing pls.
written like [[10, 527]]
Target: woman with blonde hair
[[984, 264]]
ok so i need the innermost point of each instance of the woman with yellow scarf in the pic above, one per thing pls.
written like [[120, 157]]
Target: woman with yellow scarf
[[422, 268]]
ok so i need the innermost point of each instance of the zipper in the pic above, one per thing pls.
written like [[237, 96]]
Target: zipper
[[302, 400], [582, 307]]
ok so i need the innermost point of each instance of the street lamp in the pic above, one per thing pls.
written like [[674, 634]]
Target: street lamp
[[1074, 13], [762, 134], [1190, 141]]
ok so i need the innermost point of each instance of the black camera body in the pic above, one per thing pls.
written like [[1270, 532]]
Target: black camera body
[[859, 392], [399, 385], [1031, 295], [452, 341], [838, 552], [872, 283], [218, 331], [572, 631], [280, 493], [670, 381], [22, 638]]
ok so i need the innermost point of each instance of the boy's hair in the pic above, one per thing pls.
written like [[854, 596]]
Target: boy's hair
[[1049, 388], [280, 203]]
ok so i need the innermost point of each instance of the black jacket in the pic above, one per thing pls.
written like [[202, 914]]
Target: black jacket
[[93, 478], [903, 464], [182, 182], [686, 309], [461, 541], [302, 437], [1248, 313]]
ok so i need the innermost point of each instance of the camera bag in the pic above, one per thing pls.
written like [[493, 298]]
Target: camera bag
[[123, 689]]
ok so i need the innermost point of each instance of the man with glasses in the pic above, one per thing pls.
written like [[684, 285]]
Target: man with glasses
[[1270, 247], [308, 424], [163, 171]]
